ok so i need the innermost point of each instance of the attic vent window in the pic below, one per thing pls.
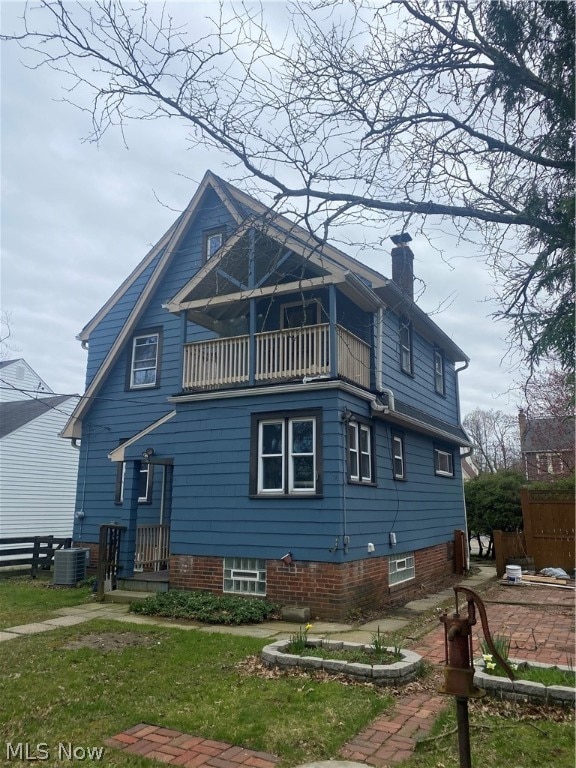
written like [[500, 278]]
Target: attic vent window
[[213, 240]]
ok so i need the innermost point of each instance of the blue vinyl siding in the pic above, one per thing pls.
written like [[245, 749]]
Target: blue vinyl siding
[[210, 443], [212, 513], [418, 390], [103, 336]]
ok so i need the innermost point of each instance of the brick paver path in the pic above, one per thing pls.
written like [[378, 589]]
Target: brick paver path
[[540, 621], [176, 748]]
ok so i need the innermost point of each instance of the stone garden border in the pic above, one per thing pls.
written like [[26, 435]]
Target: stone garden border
[[524, 690], [403, 671]]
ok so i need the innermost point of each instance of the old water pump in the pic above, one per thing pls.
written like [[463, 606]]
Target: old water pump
[[459, 670]]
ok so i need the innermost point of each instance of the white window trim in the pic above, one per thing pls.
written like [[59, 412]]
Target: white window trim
[[439, 378], [141, 499], [438, 452], [133, 369], [292, 454], [261, 456], [398, 440], [244, 571], [213, 236], [401, 568], [359, 429], [406, 349], [287, 456]]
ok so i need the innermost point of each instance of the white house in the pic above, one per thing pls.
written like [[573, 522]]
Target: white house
[[38, 469]]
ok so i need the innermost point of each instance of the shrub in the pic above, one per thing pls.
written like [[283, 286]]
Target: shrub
[[206, 607]]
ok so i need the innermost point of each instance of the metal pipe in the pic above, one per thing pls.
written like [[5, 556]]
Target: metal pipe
[[463, 732]]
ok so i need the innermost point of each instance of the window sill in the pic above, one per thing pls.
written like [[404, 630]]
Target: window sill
[[292, 496], [401, 585], [370, 484]]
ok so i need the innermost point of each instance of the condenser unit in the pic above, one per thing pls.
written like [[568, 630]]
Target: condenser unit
[[69, 566]]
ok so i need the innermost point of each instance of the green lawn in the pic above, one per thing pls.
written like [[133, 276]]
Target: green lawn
[[24, 600], [514, 737], [83, 684], [185, 680]]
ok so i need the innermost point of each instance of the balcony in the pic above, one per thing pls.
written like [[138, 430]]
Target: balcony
[[278, 356]]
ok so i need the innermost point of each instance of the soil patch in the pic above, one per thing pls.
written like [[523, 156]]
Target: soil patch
[[111, 641]]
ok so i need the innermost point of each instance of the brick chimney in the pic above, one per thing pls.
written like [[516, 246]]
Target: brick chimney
[[523, 426], [403, 264]]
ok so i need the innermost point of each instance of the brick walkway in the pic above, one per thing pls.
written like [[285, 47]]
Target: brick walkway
[[540, 621], [182, 749]]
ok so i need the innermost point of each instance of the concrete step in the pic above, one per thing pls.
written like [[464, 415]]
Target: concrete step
[[126, 596], [142, 585]]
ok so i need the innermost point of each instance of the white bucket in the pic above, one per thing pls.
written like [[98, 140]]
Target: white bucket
[[514, 574]]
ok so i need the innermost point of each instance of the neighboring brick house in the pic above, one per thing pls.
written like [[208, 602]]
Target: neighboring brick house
[[547, 446], [266, 415]]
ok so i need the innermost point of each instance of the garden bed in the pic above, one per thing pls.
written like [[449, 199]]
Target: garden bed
[[524, 690], [405, 669]]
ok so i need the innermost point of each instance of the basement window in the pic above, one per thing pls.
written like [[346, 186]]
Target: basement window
[[401, 568], [244, 576]]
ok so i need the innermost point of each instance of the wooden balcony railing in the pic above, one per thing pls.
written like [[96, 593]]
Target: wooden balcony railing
[[279, 355], [152, 547]]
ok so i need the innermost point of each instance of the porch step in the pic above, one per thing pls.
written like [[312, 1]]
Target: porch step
[[141, 584], [125, 596]]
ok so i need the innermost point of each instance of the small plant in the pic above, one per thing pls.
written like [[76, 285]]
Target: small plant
[[378, 642], [299, 640], [502, 645]]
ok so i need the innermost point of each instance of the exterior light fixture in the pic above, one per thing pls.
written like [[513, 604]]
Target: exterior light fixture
[[287, 559]]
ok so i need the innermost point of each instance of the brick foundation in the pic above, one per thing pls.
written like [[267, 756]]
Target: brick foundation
[[333, 591], [93, 562]]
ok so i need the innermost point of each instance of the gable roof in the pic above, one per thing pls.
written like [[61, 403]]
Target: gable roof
[[16, 414], [547, 434], [4, 363], [42, 389], [247, 212]]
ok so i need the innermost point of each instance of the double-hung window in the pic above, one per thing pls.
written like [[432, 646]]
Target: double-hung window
[[360, 453], [439, 381], [285, 457], [405, 339], [145, 360], [443, 462], [398, 462]]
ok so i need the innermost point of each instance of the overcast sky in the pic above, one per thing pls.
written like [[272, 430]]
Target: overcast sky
[[76, 218]]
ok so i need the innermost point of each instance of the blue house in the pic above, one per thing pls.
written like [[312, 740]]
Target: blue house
[[266, 415]]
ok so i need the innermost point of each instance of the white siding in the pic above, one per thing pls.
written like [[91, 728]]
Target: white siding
[[19, 382], [38, 472]]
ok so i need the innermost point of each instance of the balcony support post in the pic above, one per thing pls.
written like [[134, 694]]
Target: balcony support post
[[183, 339], [332, 338], [252, 316]]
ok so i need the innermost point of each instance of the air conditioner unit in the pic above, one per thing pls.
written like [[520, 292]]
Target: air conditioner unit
[[69, 566]]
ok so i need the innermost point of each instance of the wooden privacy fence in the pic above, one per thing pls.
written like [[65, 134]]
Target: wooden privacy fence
[[549, 527], [35, 551], [508, 547]]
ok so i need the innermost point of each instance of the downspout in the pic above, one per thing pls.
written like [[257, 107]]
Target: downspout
[[379, 362], [379, 408], [463, 456]]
